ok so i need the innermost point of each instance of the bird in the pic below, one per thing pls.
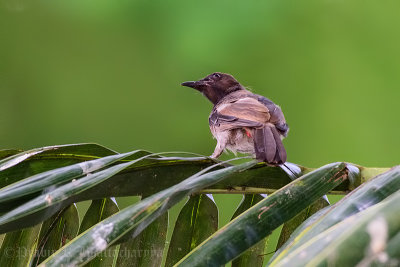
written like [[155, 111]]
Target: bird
[[242, 121]]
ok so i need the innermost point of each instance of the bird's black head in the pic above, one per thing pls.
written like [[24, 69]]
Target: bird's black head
[[215, 86]]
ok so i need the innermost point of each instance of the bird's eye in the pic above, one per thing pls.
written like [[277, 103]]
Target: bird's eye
[[217, 75]]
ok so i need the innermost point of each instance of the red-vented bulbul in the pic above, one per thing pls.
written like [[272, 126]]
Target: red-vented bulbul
[[242, 121]]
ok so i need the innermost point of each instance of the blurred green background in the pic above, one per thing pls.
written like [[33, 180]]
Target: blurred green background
[[110, 71]]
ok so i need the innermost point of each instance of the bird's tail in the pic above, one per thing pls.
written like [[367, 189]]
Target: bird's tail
[[268, 145]]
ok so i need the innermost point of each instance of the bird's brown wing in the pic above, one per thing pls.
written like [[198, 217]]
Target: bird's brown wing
[[244, 112], [276, 115], [250, 112]]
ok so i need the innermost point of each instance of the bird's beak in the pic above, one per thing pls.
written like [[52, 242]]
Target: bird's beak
[[190, 84], [198, 85]]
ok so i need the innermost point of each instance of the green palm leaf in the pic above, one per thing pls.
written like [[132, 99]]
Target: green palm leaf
[[136, 217], [259, 221], [38, 185]]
